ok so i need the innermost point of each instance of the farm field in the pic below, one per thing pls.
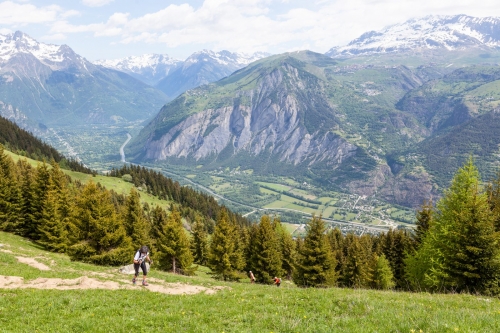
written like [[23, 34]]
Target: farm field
[[100, 299]]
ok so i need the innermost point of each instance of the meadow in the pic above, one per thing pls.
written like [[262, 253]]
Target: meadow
[[237, 307]]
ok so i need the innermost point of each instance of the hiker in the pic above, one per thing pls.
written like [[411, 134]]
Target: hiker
[[277, 281], [140, 261], [252, 277]]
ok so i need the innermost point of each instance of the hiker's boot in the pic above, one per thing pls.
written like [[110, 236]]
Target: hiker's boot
[[144, 283], [133, 280]]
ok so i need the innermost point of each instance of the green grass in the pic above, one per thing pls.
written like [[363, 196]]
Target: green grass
[[111, 183], [240, 308]]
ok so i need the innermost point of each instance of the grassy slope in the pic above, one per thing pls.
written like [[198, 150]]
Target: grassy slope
[[111, 183], [242, 308]]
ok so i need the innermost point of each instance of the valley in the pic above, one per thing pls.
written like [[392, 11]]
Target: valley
[[361, 135], [99, 147]]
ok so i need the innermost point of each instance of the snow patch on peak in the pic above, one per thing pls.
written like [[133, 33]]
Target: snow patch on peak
[[430, 32], [51, 55], [225, 57], [137, 63]]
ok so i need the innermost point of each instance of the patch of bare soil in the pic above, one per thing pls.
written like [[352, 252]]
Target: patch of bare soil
[[84, 282], [33, 263], [2, 249]]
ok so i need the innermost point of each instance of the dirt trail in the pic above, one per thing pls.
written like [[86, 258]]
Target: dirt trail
[[33, 263], [84, 282]]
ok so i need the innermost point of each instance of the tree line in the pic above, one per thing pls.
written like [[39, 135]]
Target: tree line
[[455, 247]]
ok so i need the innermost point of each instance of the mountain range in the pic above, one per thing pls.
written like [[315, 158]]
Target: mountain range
[[51, 85], [395, 131], [379, 116], [441, 33], [173, 76]]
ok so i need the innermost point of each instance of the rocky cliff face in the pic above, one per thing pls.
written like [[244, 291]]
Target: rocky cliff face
[[297, 114], [272, 121]]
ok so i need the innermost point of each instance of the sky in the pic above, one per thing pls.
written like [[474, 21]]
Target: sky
[[111, 29]]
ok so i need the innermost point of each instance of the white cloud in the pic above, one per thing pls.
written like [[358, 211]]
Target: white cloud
[[96, 3], [15, 13], [250, 25], [5, 31], [55, 37]]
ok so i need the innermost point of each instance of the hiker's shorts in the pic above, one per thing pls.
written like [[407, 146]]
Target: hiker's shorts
[[143, 267]]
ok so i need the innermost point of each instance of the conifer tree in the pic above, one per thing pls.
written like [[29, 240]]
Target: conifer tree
[[357, 272], [174, 245], [382, 273], [461, 249], [25, 178], [135, 222], [287, 246], [315, 265], [336, 241], [10, 195], [224, 259], [40, 189], [398, 244], [53, 232], [54, 224], [424, 220], [102, 239], [493, 193], [266, 258], [199, 244], [158, 218]]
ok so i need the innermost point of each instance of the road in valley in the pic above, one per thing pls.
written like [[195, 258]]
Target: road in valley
[[122, 153], [209, 191]]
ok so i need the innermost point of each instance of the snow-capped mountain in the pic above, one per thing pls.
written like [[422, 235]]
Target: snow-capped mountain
[[450, 33], [225, 57], [52, 85], [174, 76], [204, 67], [149, 68], [18, 45]]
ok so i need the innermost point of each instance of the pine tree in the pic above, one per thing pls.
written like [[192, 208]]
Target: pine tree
[[224, 259], [424, 220], [461, 249], [26, 179], [287, 247], [336, 241], [382, 273], [135, 222], [174, 246], [54, 225], [315, 266], [199, 245], [265, 253], [493, 193], [158, 218], [398, 244], [357, 272], [53, 233], [40, 189], [10, 195], [101, 238]]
